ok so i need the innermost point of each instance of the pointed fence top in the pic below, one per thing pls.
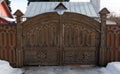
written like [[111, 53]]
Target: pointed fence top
[[104, 11], [18, 13]]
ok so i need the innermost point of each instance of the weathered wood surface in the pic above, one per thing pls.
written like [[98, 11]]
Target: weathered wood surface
[[52, 39]]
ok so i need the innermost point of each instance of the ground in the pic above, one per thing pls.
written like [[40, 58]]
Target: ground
[[65, 70], [111, 68]]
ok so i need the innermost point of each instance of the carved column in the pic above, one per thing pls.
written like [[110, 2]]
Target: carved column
[[19, 52], [103, 48]]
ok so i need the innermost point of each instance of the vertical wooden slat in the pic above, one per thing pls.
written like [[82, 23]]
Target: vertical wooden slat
[[14, 58], [0, 53], [116, 55], [116, 40], [108, 56], [3, 54], [119, 40], [12, 55], [111, 55], [6, 55]]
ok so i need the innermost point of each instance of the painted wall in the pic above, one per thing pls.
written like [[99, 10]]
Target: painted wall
[[4, 13]]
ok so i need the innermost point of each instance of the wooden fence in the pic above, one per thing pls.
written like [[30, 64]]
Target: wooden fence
[[10, 40], [113, 43], [8, 36], [8, 43]]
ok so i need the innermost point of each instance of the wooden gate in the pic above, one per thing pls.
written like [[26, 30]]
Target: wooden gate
[[68, 39]]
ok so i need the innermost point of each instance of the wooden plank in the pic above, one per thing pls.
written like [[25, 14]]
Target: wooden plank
[[0, 53]]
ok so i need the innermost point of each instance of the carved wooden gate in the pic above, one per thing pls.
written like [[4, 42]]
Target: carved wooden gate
[[68, 39]]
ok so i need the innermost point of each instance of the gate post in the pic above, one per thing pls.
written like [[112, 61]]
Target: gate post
[[19, 52], [103, 46]]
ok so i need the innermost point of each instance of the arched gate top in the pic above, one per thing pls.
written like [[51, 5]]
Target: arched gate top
[[53, 16]]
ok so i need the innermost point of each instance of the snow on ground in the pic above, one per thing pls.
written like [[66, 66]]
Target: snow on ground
[[65, 70], [114, 67], [111, 68], [5, 68]]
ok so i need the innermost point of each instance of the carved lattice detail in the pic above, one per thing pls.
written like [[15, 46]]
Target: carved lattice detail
[[61, 39], [78, 35], [41, 54]]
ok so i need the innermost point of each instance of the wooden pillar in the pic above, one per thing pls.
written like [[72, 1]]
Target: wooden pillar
[[19, 52], [103, 48]]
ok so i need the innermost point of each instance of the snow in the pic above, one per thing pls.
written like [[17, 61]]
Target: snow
[[8, 19], [5, 68], [66, 70], [114, 67], [111, 68]]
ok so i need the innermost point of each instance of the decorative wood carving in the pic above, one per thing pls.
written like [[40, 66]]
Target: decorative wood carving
[[62, 39]]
